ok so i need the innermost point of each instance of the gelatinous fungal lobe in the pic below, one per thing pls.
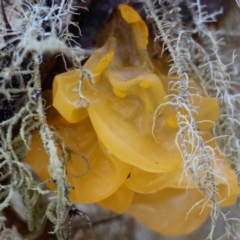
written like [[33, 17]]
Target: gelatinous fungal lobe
[[104, 176]]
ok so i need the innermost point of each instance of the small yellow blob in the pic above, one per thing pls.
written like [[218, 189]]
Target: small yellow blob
[[129, 14], [119, 93], [172, 121], [103, 63], [145, 84]]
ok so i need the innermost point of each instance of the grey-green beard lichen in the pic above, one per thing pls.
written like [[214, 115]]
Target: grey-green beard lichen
[[20, 45], [189, 60]]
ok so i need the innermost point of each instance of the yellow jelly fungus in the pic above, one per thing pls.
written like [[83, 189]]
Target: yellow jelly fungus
[[167, 211], [119, 93], [103, 63], [145, 84], [172, 121], [129, 14], [65, 99], [124, 124], [118, 136], [119, 201], [105, 175]]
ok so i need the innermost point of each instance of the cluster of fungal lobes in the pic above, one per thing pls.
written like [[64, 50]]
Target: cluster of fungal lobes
[[120, 136], [119, 131]]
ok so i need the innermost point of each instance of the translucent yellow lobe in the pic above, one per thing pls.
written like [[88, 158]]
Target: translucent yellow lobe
[[145, 84], [119, 201], [129, 14], [119, 93], [66, 100]]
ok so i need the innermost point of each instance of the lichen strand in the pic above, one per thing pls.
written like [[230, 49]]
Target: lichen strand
[[23, 43], [201, 61]]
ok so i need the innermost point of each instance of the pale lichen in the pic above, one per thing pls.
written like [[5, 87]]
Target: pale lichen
[[194, 54], [24, 41]]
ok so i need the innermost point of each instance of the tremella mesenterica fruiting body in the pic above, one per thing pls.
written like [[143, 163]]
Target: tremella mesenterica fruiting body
[[121, 154]]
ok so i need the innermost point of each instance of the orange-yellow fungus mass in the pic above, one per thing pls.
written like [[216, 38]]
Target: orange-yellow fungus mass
[[110, 122], [118, 201], [129, 14], [105, 175]]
